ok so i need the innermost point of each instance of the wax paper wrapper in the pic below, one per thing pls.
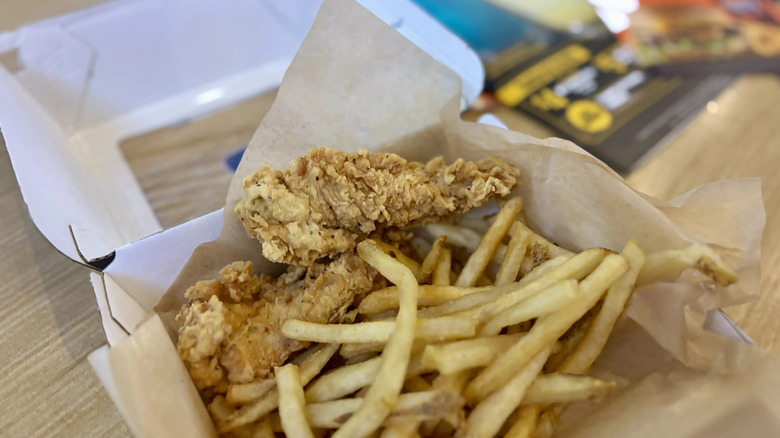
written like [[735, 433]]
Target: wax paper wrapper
[[357, 84]]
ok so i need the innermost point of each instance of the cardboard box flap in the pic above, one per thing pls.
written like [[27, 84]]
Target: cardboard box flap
[[90, 79]]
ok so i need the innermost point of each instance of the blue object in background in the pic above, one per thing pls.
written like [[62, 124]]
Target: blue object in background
[[232, 160]]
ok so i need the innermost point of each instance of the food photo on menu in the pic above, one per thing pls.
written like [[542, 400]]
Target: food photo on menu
[[390, 253]]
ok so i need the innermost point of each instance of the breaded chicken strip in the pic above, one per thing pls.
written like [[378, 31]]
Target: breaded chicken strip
[[230, 331], [327, 201]]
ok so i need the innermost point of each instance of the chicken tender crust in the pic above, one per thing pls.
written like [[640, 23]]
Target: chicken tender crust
[[230, 331], [327, 201]]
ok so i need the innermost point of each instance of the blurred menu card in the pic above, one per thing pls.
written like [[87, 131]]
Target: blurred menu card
[[557, 62]]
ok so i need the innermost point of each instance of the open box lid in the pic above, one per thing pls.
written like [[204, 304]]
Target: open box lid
[[93, 78]]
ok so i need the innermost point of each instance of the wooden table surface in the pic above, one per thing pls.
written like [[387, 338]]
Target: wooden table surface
[[50, 320]]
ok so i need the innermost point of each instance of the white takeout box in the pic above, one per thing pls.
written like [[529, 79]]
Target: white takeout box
[[86, 84], [93, 78]]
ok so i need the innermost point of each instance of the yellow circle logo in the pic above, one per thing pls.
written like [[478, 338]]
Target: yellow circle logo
[[588, 116]]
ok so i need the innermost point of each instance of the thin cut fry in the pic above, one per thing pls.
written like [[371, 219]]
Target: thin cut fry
[[487, 246], [510, 265], [668, 264], [247, 392], [383, 393], [525, 424], [430, 295], [547, 301], [558, 388], [291, 402], [502, 296], [423, 405], [396, 254], [402, 430], [455, 356], [431, 260], [488, 416], [433, 329], [349, 378], [441, 276], [309, 367], [586, 352], [264, 429], [463, 237], [546, 329]]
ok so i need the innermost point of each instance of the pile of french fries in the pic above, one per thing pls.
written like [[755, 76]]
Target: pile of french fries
[[498, 347]]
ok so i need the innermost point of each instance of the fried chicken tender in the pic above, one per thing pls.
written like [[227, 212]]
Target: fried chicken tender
[[230, 331], [328, 201]]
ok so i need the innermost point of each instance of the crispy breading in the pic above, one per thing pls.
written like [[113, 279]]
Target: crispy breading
[[328, 201], [230, 331]]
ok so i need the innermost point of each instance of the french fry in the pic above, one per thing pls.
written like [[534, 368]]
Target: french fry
[[430, 295], [350, 378], [403, 430], [441, 276], [351, 352], [463, 237], [425, 405], [309, 367], [455, 356], [480, 258], [291, 402], [243, 393], [416, 384], [396, 254], [510, 265], [431, 259], [586, 352], [384, 391], [433, 329], [546, 301], [560, 388], [668, 264], [264, 429], [546, 329], [500, 297], [544, 268], [569, 341], [525, 424], [490, 414], [219, 409]]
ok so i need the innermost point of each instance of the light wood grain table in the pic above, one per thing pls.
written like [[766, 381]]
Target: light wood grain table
[[50, 320]]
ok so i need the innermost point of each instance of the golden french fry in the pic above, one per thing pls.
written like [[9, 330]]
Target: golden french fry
[[352, 352], [558, 388], [219, 409], [586, 352], [480, 258], [314, 360], [546, 329], [384, 391], [416, 384], [510, 265], [264, 429], [425, 405], [525, 424], [668, 264], [455, 356], [431, 260], [441, 276], [402, 430], [500, 297], [347, 379], [433, 329], [490, 414], [544, 302], [242, 393], [291, 402], [463, 237], [569, 341], [548, 421], [430, 295], [396, 254]]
